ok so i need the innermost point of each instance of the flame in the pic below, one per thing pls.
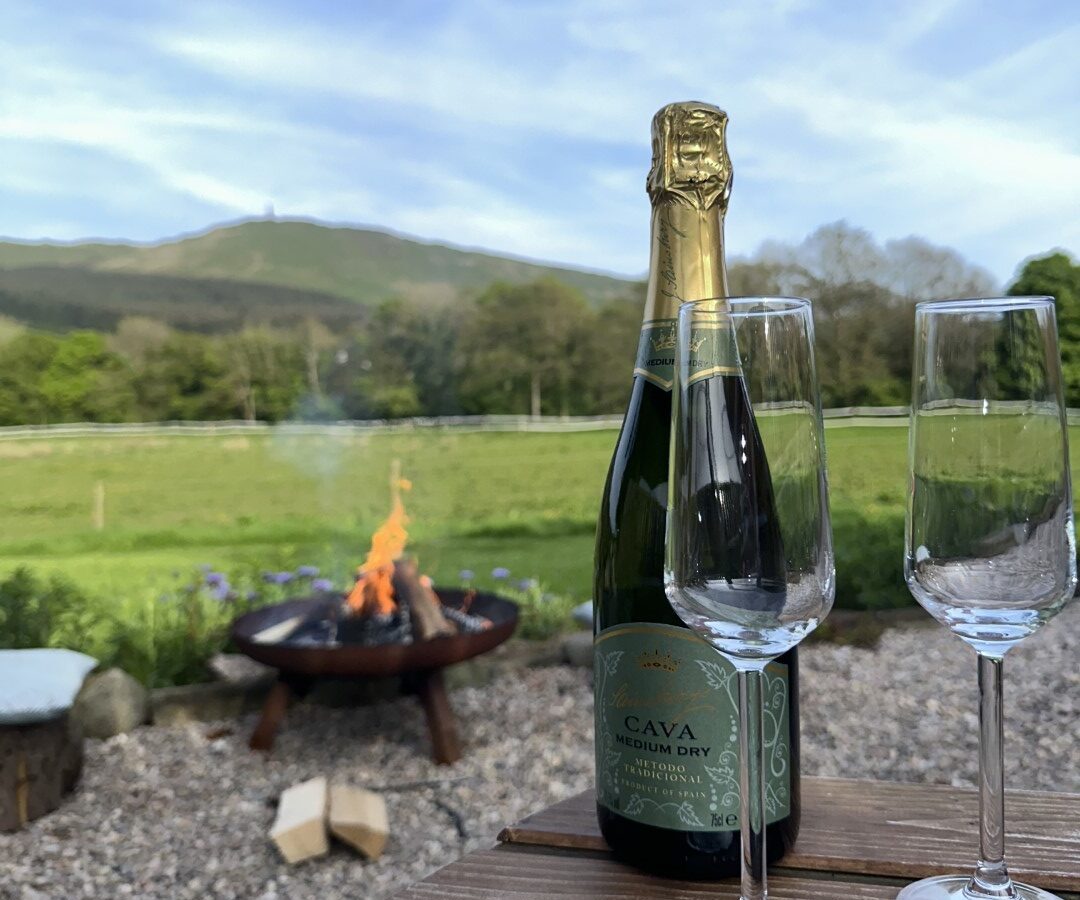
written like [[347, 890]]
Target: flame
[[374, 590]]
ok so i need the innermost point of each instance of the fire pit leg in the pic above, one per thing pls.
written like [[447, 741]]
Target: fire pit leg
[[273, 711], [446, 748]]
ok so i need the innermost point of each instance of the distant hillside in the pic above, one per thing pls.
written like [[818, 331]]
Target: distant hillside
[[59, 298], [62, 285]]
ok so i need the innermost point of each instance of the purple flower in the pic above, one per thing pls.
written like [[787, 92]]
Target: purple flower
[[500, 574], [466, 575], [283, 577], [307, 571], [214, 579], [527, 584], [322, 585], [221, 591], [269, 577]]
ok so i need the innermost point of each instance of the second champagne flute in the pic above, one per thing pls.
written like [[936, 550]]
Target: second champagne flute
[[749, 560], [990, 547]]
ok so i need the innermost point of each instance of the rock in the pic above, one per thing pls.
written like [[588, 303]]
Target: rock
[[235, 668], [577, 649], [583, 614], [111, 703], [207, 702], [358, 818], [299, 831]]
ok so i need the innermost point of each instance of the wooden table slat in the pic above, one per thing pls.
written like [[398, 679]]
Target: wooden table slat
[[515, 874], [879, 828]]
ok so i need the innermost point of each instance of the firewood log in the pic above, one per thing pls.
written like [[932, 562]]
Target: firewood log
[[358, 817], [299, 830]]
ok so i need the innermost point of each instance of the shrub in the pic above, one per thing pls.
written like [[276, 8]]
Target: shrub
[[40, 613]]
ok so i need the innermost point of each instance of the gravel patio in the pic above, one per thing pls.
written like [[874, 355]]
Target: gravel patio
[[183, 812]]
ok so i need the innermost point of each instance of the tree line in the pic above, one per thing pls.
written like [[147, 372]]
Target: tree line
[[535, 348]]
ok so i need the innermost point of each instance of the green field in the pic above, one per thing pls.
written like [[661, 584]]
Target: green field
[[524, 501]]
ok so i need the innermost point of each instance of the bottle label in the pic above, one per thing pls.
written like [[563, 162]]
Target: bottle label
[[667, 730], [712, 352]]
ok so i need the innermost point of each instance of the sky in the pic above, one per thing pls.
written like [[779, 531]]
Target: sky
[[523, 127]]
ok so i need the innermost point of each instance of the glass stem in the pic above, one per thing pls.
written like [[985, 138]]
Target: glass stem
[[752, 784], [991, 878]]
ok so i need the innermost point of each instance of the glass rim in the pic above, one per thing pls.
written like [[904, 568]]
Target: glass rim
[[773, 305], [983, 304]]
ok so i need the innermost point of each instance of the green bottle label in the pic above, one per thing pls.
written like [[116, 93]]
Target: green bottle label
[[667, 730], [713, 351]]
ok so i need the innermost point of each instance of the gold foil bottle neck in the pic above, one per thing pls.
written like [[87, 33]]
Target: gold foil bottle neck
[[690, 162]]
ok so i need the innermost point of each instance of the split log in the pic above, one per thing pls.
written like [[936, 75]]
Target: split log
[[39, 763], [358, 817], [416, 592], [299, 831]]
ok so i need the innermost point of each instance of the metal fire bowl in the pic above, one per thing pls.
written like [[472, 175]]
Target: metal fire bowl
[[349, 660]]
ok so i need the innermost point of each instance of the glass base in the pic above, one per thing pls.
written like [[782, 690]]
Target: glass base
[[952, 887]]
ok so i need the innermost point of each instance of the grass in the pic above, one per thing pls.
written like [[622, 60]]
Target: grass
[[527, 502]]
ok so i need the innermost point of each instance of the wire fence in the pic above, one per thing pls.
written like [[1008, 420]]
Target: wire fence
[[849, 416]]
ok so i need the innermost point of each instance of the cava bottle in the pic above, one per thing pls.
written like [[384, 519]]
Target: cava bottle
[[667, 773]]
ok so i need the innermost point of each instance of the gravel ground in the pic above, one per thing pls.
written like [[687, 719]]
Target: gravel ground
[[173, 813]]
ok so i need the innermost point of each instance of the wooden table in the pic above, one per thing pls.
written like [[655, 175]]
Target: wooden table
[[861, 840]]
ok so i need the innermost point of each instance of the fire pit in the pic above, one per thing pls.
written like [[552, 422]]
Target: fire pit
[[301, 665], [393, 622]]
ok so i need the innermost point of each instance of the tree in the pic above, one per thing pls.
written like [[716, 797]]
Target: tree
[[136, 336], [87, 382], [602, 381], [185, 379], [919, 270], [1057, 275], [521, 349], [24, 360], [266, 371]]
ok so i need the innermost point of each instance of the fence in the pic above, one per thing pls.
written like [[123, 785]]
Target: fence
[[863, 416]]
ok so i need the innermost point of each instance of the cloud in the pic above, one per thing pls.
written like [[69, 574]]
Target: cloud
[[524, 128]]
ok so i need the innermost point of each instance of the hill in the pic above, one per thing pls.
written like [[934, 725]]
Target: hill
[[59, 298], [319, 264]]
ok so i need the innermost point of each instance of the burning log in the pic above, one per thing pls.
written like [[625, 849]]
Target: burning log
[[415, 592], [391, 602]]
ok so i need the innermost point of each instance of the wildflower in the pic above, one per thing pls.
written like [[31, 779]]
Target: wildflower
[[307, 571], [322, 585], [527, 584], [214, 579], [221, 591], [269, 577], [283, 577], [500, 574], [466, 575]]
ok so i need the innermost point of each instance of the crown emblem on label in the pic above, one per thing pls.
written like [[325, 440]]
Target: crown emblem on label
[[665, 340], [653, 659], [668, 339]]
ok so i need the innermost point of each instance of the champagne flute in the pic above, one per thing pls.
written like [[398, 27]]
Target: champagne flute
[[989, 548], [749, 560]]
